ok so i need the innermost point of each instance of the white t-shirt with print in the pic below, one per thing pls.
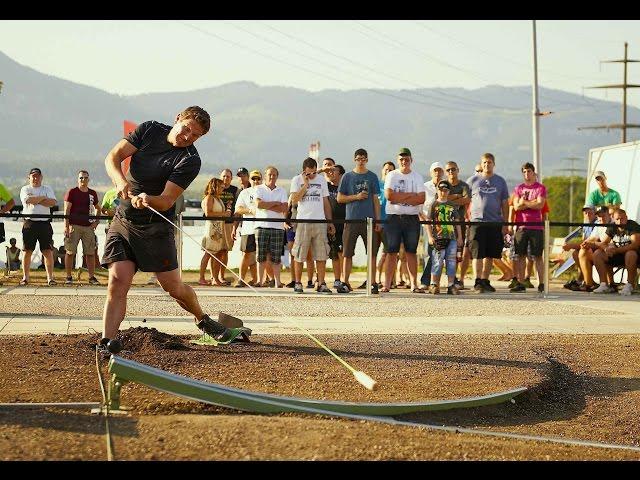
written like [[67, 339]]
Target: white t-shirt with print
[[246, 199], [411, 182], [311, 205], [265, 194], [41, 191]]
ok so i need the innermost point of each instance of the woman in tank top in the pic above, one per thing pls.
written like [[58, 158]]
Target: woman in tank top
[[214, 238]]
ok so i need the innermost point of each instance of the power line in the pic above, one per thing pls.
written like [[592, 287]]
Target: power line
[[624, 86], [385, 74], [261, 37], [236, 44], [500, 57], [403, 46]]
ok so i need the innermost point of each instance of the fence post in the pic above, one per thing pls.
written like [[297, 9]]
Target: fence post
[[179, 237], [547, 237], [369, 254]]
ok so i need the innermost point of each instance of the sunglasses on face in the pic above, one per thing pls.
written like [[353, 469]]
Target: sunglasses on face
[[451, 169], [443, 188], [256, 178]]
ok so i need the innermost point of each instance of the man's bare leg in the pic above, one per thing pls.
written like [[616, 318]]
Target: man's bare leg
[[181, 292], [120, 276], [26, 264], [68, 263], [321, 267], [487, 264], [47, 256], [392, 260], [412, 266]]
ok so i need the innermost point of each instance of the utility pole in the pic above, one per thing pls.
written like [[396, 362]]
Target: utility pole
[[536, 110], [572, 171], [624, 85]]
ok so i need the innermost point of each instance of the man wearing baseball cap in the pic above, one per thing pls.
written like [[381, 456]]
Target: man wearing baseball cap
[[37, 199], [243, 174], [603, 195]]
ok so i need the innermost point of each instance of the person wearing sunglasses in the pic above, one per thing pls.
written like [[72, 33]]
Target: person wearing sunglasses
[[459, 196], [79, 203]]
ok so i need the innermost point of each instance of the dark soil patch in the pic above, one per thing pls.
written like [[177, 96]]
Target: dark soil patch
[[580, 386]]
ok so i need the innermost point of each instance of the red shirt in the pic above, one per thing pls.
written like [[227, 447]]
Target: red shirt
[[81, 203]]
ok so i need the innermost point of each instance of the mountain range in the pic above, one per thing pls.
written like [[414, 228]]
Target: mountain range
[[62, 126]]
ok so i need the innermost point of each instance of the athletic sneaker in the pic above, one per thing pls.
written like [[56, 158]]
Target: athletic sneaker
[[374, 289], [322, 288], [94, 281], [527, 283], [453, 290], [478, 286], [68, 281], [310, 284], [213, 328], [627, 290], [604, 288], [541, 288], [571, 285], [487, 285], [336, 283], [291, 284], [363, 286], [298, 288], [458, 284], [514, 282], [519, 288], [343, 288]]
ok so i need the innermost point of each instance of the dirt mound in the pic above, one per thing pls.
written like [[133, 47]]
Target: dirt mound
[[148, 340]]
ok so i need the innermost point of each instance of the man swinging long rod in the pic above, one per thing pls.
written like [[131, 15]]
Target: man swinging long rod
[[361, 377]]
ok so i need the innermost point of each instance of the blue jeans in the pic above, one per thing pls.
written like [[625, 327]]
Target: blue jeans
[[447, 256]]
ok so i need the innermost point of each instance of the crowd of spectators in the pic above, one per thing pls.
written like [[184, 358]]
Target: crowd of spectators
[[328, 195]]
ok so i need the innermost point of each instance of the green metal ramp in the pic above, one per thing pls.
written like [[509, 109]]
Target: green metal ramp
[[123, 370]]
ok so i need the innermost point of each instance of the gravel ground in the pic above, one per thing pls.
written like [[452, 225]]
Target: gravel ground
[[334, 306], [580, 386]]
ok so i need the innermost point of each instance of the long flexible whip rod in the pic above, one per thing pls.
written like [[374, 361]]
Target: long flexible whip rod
[[364, 379]]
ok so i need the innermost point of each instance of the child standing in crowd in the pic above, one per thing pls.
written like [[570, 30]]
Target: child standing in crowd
[[446, 239]]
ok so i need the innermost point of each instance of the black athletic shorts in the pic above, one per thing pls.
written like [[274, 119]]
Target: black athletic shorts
[[618, 260], [335, 242], [150, 246], [527, 241], [40, 232], [248, 243], [486, 242]]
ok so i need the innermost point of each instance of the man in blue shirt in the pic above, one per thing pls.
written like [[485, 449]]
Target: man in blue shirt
[[359, 189], [489, 203]]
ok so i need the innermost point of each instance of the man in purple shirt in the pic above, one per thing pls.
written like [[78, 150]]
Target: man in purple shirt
[[528, 200]]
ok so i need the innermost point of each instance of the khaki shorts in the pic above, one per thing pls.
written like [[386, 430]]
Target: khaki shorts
[[312, 235], [88, 237]]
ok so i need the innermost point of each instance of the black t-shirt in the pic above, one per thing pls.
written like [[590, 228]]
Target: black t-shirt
[[229, 197], [154, 164], [338, 210], [460, 189], [622, 238]]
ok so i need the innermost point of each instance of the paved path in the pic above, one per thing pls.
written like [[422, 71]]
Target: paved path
[[620, 315]]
